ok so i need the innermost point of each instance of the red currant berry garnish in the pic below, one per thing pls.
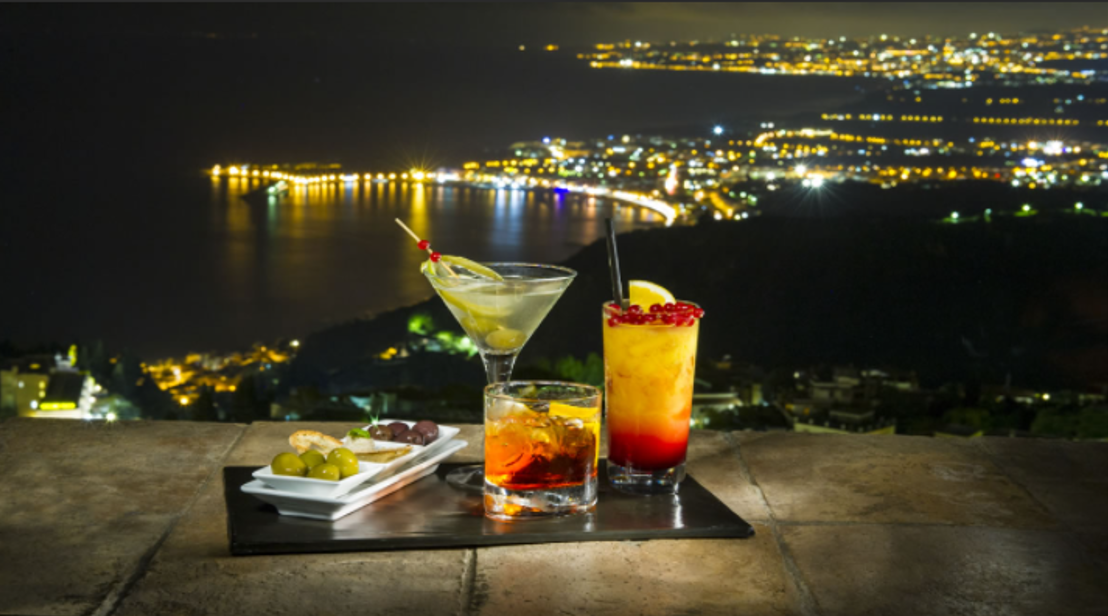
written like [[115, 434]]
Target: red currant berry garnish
[[612, 322], [669, 319], [635, 309], [699, 313], [435, 257], [668, 307], [656, 308], [690, 322], [681, 306], [424, 244]]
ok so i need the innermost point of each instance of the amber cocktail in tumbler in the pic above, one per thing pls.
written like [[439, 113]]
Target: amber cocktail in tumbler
[[542, 441]]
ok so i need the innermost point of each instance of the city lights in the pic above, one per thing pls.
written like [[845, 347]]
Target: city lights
[[678, 177], [957, 63]]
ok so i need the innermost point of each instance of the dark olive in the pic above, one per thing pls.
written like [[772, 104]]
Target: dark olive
[[381, 433], [411, 436], [429, 430], [397, 427]]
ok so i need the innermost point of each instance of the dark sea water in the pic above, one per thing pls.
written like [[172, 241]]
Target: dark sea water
[[108, 229]]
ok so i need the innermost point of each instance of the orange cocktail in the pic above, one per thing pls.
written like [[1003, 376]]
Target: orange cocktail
[[649, 367], [542, 443]]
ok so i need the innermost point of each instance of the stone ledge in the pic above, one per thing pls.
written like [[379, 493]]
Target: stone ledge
[[845, 524]]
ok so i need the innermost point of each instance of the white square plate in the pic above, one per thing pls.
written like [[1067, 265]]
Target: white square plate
[[333, 508], [366, 470], [324, 487]]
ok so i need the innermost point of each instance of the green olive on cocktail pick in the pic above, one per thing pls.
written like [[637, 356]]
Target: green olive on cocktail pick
[[312, 458], [506, 339], [478, 326], [288, 464], [330, 472]]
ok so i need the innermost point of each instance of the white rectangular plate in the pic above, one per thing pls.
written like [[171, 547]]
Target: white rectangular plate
[[367, 470], [333, 508]]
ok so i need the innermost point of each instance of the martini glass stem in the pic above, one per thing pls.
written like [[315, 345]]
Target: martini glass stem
[[499, 367]]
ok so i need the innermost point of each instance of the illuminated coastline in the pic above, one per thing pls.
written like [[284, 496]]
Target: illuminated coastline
[[486, 181]]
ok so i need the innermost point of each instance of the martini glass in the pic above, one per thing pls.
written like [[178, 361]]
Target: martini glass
[[499, 316]]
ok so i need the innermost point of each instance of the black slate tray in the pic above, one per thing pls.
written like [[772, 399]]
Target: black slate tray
[[432, 514]]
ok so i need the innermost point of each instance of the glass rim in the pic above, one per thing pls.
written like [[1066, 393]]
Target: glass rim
[[566, 273], [680, 301], [656, 325], [489, 393]]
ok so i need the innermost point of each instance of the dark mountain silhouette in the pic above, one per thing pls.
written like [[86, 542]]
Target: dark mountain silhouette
[[1024, 297]]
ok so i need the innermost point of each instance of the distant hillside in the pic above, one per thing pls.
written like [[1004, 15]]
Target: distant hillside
[[1025, 296]]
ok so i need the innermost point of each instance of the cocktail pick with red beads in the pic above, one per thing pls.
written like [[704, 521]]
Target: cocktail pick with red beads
[[426, 245]]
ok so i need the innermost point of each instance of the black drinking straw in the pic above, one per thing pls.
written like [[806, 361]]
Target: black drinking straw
[[613, 264]]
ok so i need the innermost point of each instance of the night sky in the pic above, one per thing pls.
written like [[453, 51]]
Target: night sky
[[565, 24]]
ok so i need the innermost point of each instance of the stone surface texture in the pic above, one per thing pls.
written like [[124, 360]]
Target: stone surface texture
[[129, 519], [82, 504]]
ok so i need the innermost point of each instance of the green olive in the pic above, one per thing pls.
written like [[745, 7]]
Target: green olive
[[312, 458], [288, 464], [330, 472], [345, 460], [506, 339]]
